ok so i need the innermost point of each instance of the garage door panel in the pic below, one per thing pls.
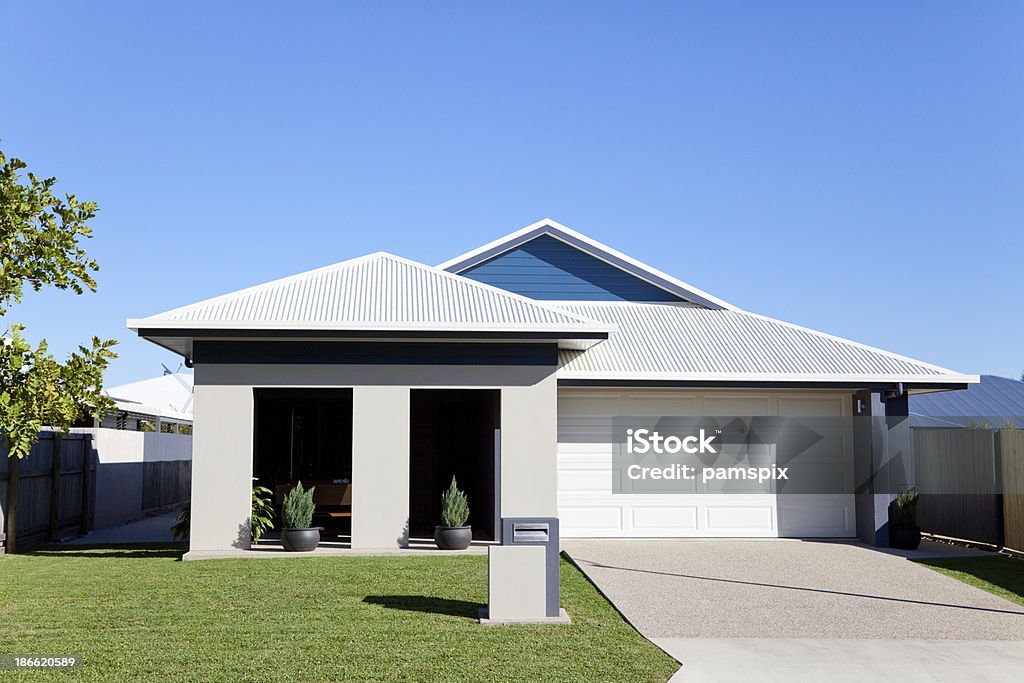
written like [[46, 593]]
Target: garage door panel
[[730, 405], [663, 519], [814, 406], [589, 405], [585, 480], [740, 519], [823, 516], [584, 430], [663, 404]]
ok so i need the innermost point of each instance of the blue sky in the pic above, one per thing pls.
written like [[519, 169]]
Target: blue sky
[[852, 167]]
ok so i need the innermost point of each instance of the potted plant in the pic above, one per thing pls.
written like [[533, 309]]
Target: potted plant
[[453, 533], [262, 519], [903, 530], [296, 517]]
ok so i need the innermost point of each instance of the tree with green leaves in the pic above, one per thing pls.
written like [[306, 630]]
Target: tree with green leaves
[[41, 238]]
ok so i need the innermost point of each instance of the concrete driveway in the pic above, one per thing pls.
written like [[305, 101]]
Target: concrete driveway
[[803, 610]]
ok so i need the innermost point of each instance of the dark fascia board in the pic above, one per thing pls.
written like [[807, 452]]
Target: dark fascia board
[[373, 353], [198, 333], [733, 384]]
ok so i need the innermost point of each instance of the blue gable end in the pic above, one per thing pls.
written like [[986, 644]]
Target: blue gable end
[[547, 268]]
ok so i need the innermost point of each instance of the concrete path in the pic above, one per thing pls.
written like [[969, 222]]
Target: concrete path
[[844, 661], [156, 529], [804, 610]]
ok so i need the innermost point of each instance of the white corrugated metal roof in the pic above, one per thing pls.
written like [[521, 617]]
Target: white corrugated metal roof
[[166, 396], [685, 342], [379, 292]]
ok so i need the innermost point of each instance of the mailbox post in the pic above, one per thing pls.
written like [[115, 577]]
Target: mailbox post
[[523, 573], [542, 531]]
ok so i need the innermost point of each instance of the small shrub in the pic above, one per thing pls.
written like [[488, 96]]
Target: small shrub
[[183, 522], [262, 518], [297, 510], [904, 509], [454, 506]]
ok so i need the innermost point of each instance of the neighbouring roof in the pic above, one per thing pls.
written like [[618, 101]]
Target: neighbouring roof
[[168, 396], [995, 400], [375, 292], [471, 262], [692, 343]]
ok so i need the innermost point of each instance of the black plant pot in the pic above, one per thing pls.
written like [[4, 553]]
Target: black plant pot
[[453, 537], [905, 537], [300, 540]]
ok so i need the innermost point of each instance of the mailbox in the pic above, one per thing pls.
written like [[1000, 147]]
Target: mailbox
[[530, 532]]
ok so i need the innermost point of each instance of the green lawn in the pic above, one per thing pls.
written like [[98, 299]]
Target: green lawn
[[1001, 575], [143, 615]]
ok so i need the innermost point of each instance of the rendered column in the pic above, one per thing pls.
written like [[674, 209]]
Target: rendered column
[[380, 467]]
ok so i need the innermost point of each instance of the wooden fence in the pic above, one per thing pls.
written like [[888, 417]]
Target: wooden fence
[[986, 468], [165, 483], [69, 483], [49, 494]]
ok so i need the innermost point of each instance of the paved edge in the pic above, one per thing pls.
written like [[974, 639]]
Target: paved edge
[[590, 580]]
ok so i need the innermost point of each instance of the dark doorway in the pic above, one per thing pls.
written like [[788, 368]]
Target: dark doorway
[[306, 435], [453, 432]]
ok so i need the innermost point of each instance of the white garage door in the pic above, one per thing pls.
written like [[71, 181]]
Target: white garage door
[[587, 507]]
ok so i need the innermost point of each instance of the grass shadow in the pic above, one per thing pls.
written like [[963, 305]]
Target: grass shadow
[[140, 551], [424, 603], [1003, 572]]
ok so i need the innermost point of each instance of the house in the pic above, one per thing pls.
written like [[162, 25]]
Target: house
[[993, 402], [382, 377], [161, 403]]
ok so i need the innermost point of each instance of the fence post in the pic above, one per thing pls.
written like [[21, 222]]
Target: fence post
[[997, 461], [55, 487], [86, 482], [1012, 455], [13, 483]]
